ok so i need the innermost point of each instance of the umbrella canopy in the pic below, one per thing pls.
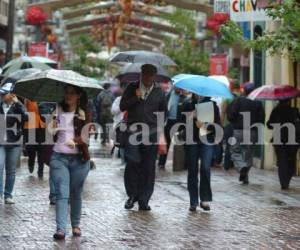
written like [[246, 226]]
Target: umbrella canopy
[[274, 92], [131, 73], [223, 79], [48, 85], [20, 74], [23, 62], [141, 56], [201, 85], [45, 60]]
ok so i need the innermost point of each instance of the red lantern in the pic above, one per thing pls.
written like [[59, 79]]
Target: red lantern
[[35, 16]]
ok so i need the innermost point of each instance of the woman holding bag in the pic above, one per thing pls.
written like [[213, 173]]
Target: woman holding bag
[[70, 160]]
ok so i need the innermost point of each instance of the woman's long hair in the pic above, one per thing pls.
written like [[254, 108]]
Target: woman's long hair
[[83, 101]]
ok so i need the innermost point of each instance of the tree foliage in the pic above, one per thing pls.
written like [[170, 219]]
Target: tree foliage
[[184, 49], [285, 40], [82, 46]]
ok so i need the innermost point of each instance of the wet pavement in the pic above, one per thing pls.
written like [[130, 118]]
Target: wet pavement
[[258, 216]]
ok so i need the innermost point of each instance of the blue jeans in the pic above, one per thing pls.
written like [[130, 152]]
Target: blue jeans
[[193, 154], [68, 174], [52, 189], [9, 157]]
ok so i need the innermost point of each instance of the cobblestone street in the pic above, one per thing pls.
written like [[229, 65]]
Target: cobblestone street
[[258, 216]]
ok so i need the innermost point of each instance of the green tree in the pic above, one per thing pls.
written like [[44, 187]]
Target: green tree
[[184, 50], [285, 40], [82, 46]]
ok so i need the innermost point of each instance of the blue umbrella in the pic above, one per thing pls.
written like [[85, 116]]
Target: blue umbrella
[[201, 85]]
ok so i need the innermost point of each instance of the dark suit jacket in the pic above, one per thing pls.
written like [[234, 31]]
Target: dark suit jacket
[[143, 111]]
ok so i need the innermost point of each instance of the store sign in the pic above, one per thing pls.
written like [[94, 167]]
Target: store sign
[[221, 6], [38, 49], [219, 64], [248, 10]]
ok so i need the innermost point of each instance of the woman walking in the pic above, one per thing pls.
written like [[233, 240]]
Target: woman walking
[[199, 150], [13, 116], [70, 160], [286, 153]]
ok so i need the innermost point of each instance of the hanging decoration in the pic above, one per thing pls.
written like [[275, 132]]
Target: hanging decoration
[[35, 16], [216, 21]]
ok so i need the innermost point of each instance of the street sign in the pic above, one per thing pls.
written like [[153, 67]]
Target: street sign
[[248, 10], [219, 64], [38, 49]]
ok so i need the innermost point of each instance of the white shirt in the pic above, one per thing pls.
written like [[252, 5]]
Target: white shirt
[[116, 112], [145, 91]]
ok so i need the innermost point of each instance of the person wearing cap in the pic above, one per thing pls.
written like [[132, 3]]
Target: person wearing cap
[[13, 117], [142, 100]]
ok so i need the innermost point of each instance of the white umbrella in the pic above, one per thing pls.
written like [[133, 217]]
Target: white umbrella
[[48, 85], [43, 60]]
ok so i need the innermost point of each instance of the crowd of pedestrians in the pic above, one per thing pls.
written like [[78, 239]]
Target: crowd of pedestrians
[[138, 105]]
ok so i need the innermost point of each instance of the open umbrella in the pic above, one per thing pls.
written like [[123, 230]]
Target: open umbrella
[[131, 73], [141, 56], [24, 62], [20, 74], [274, 92], [45, 60], [48, 85], [201, 85]]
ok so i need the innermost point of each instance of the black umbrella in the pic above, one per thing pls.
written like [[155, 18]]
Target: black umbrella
[[141, 56], [131, 73]]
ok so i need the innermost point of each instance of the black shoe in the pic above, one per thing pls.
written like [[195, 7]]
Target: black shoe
[[193, 208], [129, 204], [243, 174], [205, 208], [162, 167], [246, 180], [52, 203], [31, 168], [144, 208], [59, 235], [40, 174]]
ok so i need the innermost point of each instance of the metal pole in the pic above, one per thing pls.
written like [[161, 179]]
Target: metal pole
[[10, 30]]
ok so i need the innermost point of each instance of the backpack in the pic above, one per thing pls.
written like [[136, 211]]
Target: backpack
[[105, 107]]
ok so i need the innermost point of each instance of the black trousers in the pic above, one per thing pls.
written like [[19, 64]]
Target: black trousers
[[286, 162], [139, 177], [163, 158], [35, 150]]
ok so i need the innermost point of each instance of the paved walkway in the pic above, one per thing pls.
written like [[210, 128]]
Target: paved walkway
[[258, 216]]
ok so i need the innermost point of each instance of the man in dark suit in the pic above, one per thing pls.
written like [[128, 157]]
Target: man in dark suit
[[142, 100]]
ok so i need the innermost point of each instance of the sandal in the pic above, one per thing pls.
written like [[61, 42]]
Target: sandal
[[76, 231], [59, 235]]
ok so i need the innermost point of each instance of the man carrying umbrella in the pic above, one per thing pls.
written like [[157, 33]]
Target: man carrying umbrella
[[142, 100]]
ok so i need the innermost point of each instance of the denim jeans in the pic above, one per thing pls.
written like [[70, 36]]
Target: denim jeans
[[68, 174], [52, 189], [9, 157], [194, 153]]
